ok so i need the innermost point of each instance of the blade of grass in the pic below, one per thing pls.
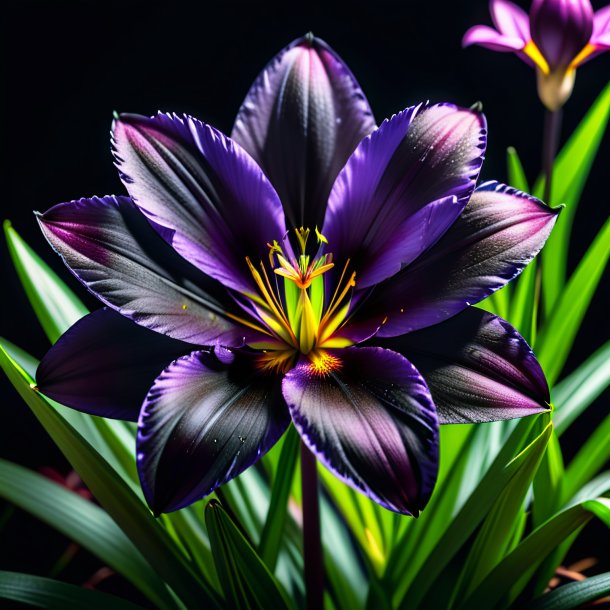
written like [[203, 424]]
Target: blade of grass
[[499, 585], [245, 579], [271, 537], [574, 594], [497, 530], [41, 592], [55, 305], [85, 523], [557, 336], [125, 508], [577, 391]]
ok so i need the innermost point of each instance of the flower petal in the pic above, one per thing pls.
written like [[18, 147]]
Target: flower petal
[[561, 29], [478, 368], [190, 178], [510, 19], [302, 118], [113, 250], [601, 23], [403, 187], [371, 422], [489, 38], [105, 364], [497, 235], [202, 424]]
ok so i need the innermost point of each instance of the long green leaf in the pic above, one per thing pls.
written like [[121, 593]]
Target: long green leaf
[[55, 305], [126, 509], [110, 438], [55, 595], [497, 531], [271, 537], [83, 522], [574, 594], [504, 468], [523, 309], [499, 584], [570, 174], [555, 341], [577, 391], [548, 482], [245, 579], [589, 460], [516, 174]]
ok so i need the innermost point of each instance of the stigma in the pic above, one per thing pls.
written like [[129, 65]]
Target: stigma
[[296, 307]]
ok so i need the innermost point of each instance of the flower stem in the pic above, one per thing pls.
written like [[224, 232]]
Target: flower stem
[[312, 541], [550, 142], [552, 128]]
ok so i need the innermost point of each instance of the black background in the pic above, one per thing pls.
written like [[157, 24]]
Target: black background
[[69, 64]]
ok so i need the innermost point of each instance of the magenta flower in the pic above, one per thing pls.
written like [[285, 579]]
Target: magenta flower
[[311, 268], [556, 38]]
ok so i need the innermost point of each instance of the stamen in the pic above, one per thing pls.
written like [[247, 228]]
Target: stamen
[[322, 363], [321, 238]]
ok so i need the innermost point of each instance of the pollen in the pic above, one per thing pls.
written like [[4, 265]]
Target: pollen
[[291, 307], [322, 363]]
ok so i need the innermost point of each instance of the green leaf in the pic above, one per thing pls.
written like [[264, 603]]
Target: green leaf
[[574, 594], [113, 439], [457, 530], [517, 566], [271, 537], [589, 460], [55, 305], [125, 508], [570, 173], [555, 340], [245, 579], [577, 391], [523, 309], [516, 174], [548, 482], [55, 595], [81, 521], [497, 530]]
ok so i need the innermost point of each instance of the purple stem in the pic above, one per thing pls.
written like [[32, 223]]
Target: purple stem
[[550, 142], [312, 541], [552, 128]]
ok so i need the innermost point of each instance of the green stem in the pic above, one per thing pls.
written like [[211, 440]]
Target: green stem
[[312, 541]]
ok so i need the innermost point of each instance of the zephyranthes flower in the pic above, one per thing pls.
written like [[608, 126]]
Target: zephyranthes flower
[[556, 38], [311, 268]]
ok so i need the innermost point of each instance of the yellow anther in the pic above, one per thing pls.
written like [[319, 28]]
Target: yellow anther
[[302, 237], [321, 238]]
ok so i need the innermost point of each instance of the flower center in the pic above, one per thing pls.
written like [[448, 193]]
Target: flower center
[[293, 308]]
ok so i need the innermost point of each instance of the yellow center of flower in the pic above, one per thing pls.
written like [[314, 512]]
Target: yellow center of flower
[[293, 309]]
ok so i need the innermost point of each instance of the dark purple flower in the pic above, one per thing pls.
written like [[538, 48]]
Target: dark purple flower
[[242, 275], [556, 38]]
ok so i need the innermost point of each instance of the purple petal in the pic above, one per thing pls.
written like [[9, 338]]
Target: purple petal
[[403, 188], [601, 23], [112, 249], [105, 364], [478, 368], [487, 37], [510, 19], [302, 118], [202, 424], [560, 29], [600, 39], [371, 422], [188, 177], [497, 235]]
